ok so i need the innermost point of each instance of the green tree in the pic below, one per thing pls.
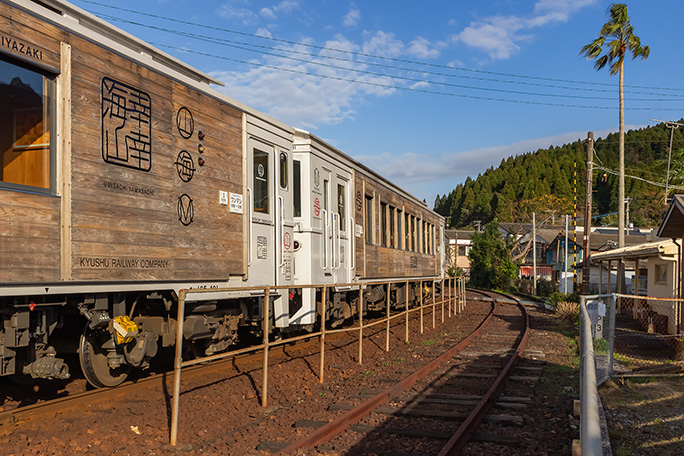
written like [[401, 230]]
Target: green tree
[[622, 39], [491, 266]]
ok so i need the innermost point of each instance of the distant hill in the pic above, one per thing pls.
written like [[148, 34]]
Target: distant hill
[[544, 182]]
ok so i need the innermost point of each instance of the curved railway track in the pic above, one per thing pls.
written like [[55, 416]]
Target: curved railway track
[[461, 385]]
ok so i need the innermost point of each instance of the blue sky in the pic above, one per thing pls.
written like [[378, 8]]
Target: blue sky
[[426, 93]]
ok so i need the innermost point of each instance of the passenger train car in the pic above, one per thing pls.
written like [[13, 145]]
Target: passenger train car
[[125, 178]]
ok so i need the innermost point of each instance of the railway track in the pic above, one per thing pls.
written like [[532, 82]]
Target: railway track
[[460, 395]]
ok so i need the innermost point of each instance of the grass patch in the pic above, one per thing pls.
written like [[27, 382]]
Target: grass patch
[[428, 342]]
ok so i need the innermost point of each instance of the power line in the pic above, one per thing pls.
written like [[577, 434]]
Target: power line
[[372, 73], [392, 86], [354, 53], [241, 45]]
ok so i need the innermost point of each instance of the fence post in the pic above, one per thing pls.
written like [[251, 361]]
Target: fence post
[[361, 299], [387, 343], [434, 305], [178, 362], [611, 334], [264, 397], [445, 283], [406, 293], [420, 292], [324, 296], [441, 298]]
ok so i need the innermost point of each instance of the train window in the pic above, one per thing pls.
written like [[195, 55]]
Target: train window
[[283, 170], [261, 201], [341, 205], [392, 216], [383, 224], [400, 220], [297, 190], [26, 124], [369, 219], [419, 239]]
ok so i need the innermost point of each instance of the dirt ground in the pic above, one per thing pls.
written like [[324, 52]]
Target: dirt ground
[[221, 413], [645, 416]]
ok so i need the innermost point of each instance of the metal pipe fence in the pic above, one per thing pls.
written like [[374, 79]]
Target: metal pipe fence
[[590, 428], [454, 299]]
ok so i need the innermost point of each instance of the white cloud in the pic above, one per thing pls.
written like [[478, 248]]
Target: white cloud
[[422, 48], [500, 36], [352, 17], [264, 32], [415, 172], [285, 7], [231, 11], [383, 44], [307, 95]]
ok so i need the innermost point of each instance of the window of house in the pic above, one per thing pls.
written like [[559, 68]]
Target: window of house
[[407, 240], [369, 219], [661, 273], [26, 127]]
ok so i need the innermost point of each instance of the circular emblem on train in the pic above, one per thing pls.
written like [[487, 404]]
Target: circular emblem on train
[[186, 209], [260, 170], [317, 177], [359, 201], [287, 240], [317, 207], [185, 123], [185, 166]]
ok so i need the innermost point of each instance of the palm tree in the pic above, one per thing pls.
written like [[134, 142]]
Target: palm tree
[[622, 39]]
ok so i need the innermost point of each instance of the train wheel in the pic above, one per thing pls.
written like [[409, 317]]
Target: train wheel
[[93, 358]]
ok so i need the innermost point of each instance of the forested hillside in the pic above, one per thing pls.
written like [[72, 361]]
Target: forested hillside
[[544, 182]]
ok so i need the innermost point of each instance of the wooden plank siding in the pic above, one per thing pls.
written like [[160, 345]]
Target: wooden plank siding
[[123, 223], [375, 261]]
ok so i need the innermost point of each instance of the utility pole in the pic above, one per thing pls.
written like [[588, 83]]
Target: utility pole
[[565, 257], [672, 126], [534, 253], [587, 213]]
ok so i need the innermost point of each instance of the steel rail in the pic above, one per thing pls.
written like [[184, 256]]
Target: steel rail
[[340, 424], [470, 424]]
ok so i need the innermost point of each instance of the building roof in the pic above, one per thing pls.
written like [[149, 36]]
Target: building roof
[[673, 224], [662, 248], [459, 234]]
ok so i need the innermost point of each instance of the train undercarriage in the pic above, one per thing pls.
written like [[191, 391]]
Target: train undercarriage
[[111, 334]]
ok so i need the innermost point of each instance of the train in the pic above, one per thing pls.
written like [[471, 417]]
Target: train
[[126, 177]]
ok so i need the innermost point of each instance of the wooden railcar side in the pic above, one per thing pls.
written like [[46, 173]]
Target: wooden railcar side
[[126, 207], [391, 257]]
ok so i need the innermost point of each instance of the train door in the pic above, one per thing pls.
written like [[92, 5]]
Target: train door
[[270, 219], [335, 251], [342, 235]]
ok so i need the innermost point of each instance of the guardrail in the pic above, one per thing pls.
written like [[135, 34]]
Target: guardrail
[[454, 300]]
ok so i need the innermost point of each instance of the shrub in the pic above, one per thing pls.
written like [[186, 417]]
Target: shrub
[[567, 310]]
